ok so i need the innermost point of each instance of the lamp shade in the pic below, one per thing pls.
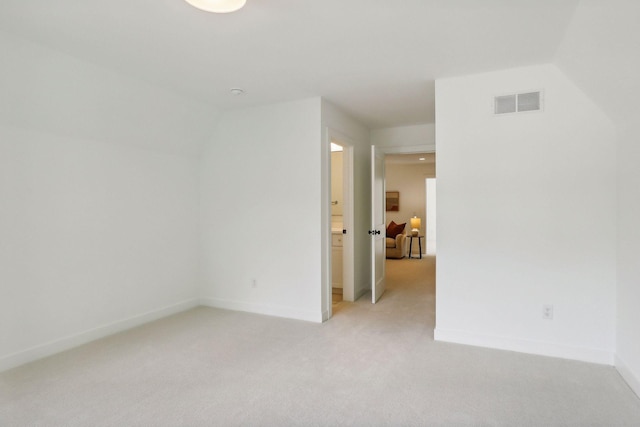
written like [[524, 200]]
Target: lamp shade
[[415, 222], [415, 226], [217, 6]]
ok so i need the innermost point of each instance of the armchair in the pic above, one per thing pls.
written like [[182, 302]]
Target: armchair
[[395, 247]]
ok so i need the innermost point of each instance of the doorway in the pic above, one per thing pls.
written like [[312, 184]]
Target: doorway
[[410, 177], [340, 278], [414, 203]]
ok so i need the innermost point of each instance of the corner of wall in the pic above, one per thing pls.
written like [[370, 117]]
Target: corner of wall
[[549, 349], [625, 372], [265, 309], [59, 345]]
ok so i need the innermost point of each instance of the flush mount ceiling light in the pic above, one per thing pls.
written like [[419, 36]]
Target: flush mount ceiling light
[[335, 147], [217, 6]]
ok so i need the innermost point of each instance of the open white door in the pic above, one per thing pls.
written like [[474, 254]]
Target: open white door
[[378, 229]]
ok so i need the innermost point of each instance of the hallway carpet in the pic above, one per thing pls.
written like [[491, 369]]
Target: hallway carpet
[[370, 365]]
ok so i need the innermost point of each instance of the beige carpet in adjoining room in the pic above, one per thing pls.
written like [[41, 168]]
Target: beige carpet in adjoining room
[[370, 365]]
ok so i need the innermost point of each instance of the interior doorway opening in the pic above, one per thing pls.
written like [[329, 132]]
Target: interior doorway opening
[[340, 286], [410, 203], [406, 275], [409, 265]]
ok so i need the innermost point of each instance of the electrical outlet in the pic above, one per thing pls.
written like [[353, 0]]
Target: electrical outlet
[[254, 283], [547, 311]]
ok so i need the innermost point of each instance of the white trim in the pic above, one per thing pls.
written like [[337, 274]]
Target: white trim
[[542, 348], [378, 248], [269, 310], [408, 149], [361, 292], [348, 248], [325, 223], [348, 218], [43, 350], [627, 375]]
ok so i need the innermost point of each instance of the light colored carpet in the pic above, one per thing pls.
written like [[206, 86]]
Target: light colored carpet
[[370, 365]]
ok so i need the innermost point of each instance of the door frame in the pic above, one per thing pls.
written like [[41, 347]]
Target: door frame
[[408, 149], [378, 223], [348, 241]]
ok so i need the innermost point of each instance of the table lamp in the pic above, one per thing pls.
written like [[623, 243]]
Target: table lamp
[[415, 226]]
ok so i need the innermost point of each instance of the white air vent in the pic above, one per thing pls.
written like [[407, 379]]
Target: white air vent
[[505, 104], [529, 101]]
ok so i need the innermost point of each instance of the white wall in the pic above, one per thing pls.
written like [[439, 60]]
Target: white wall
[[628, 315], [526, 217], [96, 233], [600, 53], [261, 184], [430, 232], [51, 92], [403, 136]]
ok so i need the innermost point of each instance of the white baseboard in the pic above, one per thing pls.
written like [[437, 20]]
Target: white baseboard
[[38, 352], [360, 293], [627, 375], [270, 310], [592, 355]]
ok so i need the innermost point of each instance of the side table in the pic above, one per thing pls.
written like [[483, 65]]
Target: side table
[[419, 244]]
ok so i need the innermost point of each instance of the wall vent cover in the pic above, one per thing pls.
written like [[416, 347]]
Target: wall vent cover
[[505, 104], [516, 103]]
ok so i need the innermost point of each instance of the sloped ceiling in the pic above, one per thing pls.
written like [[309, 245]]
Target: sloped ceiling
[[601, 54], [376, 60]]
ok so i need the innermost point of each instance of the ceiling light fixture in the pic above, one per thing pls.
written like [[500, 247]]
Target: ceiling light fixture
[[237, 91], [217, 6], [335, 147], [422, 158]]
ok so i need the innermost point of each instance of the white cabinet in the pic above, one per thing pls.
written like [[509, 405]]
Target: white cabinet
[[336, 260]]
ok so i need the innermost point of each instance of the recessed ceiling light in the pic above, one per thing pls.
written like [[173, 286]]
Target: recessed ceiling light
[[217, 6], [237, 91], [422, 158]]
